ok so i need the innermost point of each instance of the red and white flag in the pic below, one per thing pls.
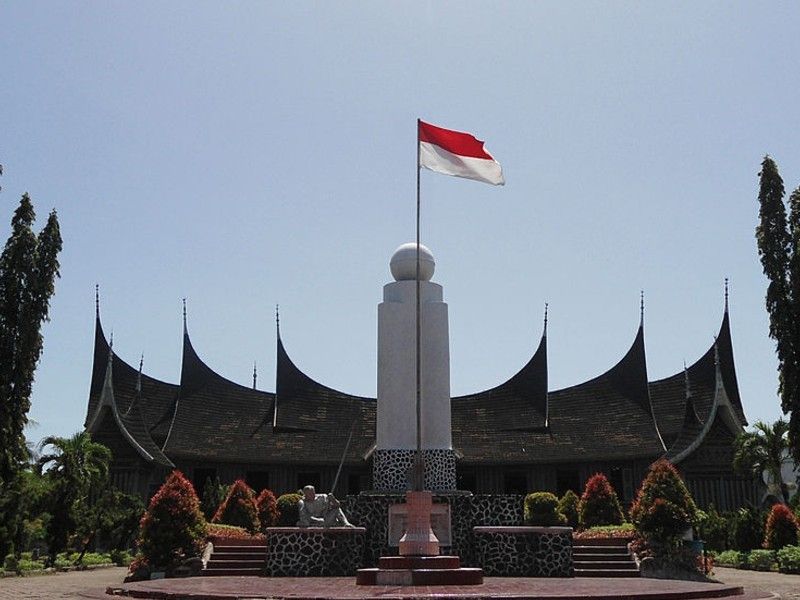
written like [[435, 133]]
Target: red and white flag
[[456, 153]]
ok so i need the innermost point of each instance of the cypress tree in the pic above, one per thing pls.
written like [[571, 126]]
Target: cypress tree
[[778, 241], [28, 268]]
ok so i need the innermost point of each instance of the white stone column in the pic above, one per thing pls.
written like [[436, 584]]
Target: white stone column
[[396, 414]]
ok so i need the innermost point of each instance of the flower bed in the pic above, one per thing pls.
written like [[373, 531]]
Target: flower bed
[[625, 531], [217, 533]]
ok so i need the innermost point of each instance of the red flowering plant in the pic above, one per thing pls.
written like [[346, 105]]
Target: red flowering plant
[[599, 504], [663, 508], [267, 506], [173, 527], [782, 528], [239, 508]]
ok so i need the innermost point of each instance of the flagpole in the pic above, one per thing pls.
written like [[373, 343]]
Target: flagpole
[[419, 465]]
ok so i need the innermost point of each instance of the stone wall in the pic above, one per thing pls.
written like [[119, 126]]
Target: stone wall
[[314, 552], [524, 551]]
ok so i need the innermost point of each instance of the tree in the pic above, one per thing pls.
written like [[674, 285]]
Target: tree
[[239, 508], [781, 528], [28, 268], [779, 249], [663, 508], [764, 450], [77, 467]]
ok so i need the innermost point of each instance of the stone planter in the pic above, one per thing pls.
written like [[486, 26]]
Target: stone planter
[[524, 551], [314, 551]]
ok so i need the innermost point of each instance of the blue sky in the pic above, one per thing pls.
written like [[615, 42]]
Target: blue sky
[[246, 154]]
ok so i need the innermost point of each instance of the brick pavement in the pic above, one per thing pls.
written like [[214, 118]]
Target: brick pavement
[[786, 586], [60, 586]]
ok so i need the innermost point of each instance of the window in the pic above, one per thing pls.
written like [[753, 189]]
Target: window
[[309, 478], [515, 483], [567, 479], [199, 479], [466, 480], [258, 480]]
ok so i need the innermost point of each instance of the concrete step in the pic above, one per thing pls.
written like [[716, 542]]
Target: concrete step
[[408, 577], [241, 549], [606, 573], [605, 565], [419, 562], [233, 572], [601, 557], [234, 564], [600, 549], [238, 556], [601, 542]]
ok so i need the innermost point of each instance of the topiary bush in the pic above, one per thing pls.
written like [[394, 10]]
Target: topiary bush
[[267, 506], [761, 560], [747, 529], [789, 559], [239, 508], [173, 526], [599, 504], [781, 528], [731, 558], [213, 495], [568, 506], [541, 508], [714, 530], [288, 509], [663, 508]]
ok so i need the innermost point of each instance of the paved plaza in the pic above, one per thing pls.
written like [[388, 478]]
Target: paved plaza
[[91, 585]]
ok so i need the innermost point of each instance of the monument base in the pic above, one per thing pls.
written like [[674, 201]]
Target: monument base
[[419, 539]]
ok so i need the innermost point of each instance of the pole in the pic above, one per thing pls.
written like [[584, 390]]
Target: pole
[[419, 465], [344, 455]]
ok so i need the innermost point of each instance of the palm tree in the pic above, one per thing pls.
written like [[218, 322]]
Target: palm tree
[[764, 450], [78, 467]]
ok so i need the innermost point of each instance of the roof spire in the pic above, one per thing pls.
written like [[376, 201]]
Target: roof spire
[[641, 307], [255, 374], [139, 375], [184, 315], [545, 319], [97, 300], [278, 320], [726, 295], [686, 379]]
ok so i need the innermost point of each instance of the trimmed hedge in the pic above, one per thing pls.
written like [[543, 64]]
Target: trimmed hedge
[[267, 506], [568, 506], [173, 527], [789, 559], [599, 503], [761, 560], [288, 509], [239, 508], [663, 508], [781, 528], [541, 508], [731, 558]]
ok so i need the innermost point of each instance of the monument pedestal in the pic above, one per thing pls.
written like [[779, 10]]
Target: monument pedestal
[[419, 539]]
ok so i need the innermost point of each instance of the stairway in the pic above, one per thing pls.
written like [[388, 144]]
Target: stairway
[[603, 557], [419, 570], [236, 559]]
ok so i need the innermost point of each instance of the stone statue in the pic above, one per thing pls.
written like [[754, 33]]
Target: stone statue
[[320, 510]]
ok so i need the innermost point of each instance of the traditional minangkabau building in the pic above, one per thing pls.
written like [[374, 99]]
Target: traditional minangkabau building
[[513, 438]]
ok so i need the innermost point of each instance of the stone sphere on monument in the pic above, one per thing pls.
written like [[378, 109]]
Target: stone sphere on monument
[[404, 263]]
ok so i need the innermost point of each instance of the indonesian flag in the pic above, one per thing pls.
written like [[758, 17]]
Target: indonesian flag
[[456, 153]]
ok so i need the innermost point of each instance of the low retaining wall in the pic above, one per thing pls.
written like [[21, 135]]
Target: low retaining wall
[[524, 551], [314, 551]]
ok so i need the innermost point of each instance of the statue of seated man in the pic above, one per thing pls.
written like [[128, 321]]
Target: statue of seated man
[[320, 510]]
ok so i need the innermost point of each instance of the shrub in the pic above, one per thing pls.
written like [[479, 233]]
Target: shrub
[[789, 559], [731, 558], [173, 526], [781, 528], [568, 506], [599, 504], [232, 531], [239, 508], [267, 506], [541, 508], [288, 509], [761, 560], [624, 531], [663, 508], [213, 495], [747, 529], [714, 530]]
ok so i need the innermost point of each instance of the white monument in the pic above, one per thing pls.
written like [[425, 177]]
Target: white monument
[[397, 412]]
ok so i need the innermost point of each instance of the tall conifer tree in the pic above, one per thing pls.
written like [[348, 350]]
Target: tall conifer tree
[[778, 246], [28, 268]]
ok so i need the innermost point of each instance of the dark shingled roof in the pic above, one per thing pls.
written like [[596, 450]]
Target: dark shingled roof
[[608, 417]]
